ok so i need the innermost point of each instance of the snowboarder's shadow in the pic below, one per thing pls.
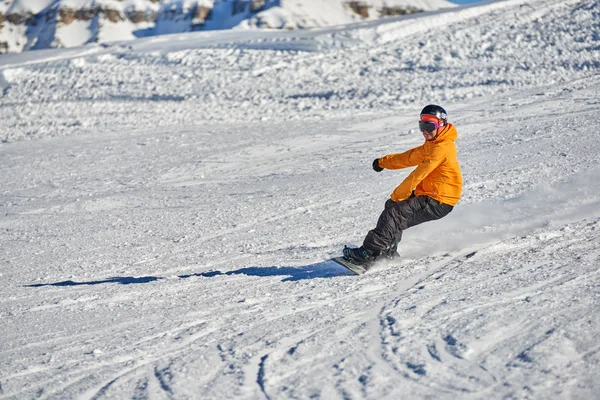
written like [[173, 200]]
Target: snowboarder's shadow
[[325, 269], [123, 280]]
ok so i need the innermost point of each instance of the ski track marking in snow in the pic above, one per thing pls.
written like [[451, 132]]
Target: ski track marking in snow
[[169, 207]]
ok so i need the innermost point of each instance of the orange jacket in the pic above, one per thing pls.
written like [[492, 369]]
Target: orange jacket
[[437, 174]]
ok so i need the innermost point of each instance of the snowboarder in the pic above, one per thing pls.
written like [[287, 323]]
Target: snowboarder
[[428, 193]]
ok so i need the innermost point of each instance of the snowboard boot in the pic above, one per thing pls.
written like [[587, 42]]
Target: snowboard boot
[[359, 256]]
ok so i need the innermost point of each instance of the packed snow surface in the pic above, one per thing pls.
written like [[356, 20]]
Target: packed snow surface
[[169, 206]]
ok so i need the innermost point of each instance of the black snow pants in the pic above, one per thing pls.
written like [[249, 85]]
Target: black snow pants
[[400, 216]]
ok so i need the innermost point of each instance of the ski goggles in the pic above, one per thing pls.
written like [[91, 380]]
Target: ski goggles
[[428, 126]]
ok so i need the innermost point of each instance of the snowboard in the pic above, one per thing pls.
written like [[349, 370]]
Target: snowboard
[[357, 269]]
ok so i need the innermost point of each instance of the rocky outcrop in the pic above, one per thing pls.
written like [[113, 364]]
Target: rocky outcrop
[[66, 16], [398, 10], [152, 17], [21, 19], [257, 5], [359, 7], [112, 15], [3, 45], [201, 14]]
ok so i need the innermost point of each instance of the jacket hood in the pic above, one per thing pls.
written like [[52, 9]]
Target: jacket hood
[[448, 133]]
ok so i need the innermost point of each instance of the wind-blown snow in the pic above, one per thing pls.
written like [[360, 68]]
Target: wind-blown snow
[[169, 204]]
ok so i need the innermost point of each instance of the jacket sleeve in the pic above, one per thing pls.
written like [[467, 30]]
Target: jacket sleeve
[[424, 168], [409, 158]]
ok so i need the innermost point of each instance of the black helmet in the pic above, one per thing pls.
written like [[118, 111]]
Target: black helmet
[[436, 111]]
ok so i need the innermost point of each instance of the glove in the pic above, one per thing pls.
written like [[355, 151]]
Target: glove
[[389, 203], [376, 166]]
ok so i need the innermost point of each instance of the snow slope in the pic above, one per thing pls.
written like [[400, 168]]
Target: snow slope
[[290, 14], [168, 207], [42, 24]]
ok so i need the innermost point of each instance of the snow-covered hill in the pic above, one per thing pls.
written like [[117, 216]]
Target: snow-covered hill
[[40, 24], [169, 204]]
